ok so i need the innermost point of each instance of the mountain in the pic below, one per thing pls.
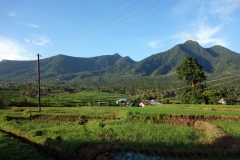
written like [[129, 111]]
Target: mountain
[[215, 60], [61, 65]]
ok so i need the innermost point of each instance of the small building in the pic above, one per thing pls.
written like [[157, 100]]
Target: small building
[[223, 101], [152, 102], [102, 103], [144, 103], [122, 101]]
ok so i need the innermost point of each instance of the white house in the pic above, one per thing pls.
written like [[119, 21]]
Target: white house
[[223, 101], [149, 102], [122, 100], [144, 103]]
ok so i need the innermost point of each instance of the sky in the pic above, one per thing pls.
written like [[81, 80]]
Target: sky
[[134, 28]]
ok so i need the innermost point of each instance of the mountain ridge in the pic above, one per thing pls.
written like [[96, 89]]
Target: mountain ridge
[[215, 60]]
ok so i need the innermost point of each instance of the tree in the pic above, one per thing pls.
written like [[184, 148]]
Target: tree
[[191, 72]]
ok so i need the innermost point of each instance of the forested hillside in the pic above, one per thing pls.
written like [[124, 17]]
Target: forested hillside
[[61, 68]]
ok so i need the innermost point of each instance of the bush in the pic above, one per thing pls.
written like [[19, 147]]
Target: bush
[[196, 98], [21, 102], [166, 101], [1, 102]]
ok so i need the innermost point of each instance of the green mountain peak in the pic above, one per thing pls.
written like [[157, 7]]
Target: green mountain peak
[[191, 42]]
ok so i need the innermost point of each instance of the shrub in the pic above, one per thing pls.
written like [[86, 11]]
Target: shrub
[[38, 133], [166, 101]]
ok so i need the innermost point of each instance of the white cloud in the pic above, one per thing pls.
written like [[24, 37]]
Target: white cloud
[[185, 6], [204, 35], [39, 40], [11, 50], [32, 25], [27, 40], [208, 26], [12, 14], [155, 44], [223, 8], [42, 41]]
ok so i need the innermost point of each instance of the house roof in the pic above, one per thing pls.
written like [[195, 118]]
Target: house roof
[[102, 102], [122, 99], [146, 102], [150, 102]]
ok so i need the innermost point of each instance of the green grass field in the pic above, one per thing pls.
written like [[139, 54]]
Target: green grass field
[[63, 130], [99, 131], [78, 99], [74, 121], [232, 128], [11, 149]]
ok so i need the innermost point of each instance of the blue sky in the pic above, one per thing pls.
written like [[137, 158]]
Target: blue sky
[[134, 28]]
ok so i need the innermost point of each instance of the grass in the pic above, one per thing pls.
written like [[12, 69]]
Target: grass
[[63, 130], [86, 110], [12, 149], [180, 110], [232, 128], [78, 99], [200, 106], [100, 126]]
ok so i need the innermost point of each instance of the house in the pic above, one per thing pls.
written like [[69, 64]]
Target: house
[[102, 103], [149, 103], [222, 101], [122, 101], [144, 103]]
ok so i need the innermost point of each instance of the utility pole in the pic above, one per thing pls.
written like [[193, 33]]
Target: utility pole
[[39, 94]]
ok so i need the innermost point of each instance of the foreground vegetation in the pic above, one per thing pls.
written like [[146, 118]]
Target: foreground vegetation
[[70, 125], [11, 148], [65, 132]]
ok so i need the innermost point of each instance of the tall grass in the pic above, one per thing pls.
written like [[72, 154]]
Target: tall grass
[[66, 129], [11, 148], [180, 110], [96, 126], [232, 128]]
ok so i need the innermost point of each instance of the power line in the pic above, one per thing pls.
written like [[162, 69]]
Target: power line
[[122, 24], [199, 84], [213, 86], [206, 82], [105, 16], [115, 21]]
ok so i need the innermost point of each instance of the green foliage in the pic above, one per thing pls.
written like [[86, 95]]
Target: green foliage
[[232, 128], [211, 96], [196, 98], [190, 71], [166, 101], [59, 132], [1, 101], [62, 134], [13, 149], [183, 95], [20, 102], [39, 133]]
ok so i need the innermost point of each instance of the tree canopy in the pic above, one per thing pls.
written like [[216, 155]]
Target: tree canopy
[[191, 72]]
